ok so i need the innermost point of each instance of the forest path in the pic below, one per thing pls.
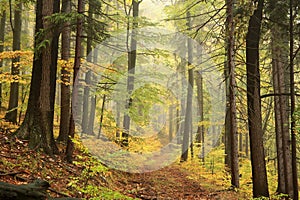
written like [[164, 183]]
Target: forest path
[[171, 182]]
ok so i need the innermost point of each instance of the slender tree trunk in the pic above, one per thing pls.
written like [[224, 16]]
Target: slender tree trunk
[[65, 77], [171, 120], [12, 113], [93, 100], [232, 101], [131, 72], [259, 174], [200, 129], [101, 116], [292, 90], [188, 113], [2, 34], [247, 145], [88, 75], [78, 48], [227, 135], [90, 129], [241, 142]]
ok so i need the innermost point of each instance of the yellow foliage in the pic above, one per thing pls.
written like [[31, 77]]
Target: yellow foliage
[[15, 54]]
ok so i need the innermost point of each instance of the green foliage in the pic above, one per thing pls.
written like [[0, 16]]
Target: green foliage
[[60, 18], [110, 194], [84, 182]]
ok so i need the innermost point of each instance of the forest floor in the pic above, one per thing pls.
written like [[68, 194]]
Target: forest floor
[[86, 178], [171, 182]]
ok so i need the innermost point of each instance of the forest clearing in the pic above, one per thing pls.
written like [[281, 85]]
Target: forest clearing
[[149, 99]]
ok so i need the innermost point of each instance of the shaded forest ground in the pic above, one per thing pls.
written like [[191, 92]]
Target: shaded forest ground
[[87, 178]]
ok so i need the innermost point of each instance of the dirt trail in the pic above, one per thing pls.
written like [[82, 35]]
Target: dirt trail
[[168, 183]]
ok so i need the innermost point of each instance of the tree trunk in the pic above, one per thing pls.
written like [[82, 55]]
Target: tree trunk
[[2, 34], [33, 191], [171, 120], [101, 116], [292, 90], [247, 146], [200, 129], [131, 71], [65, 77], [12, 113], [259, 174], [279, 57], [90, 129], [36, 190], [188, 112], [88, 75], [232, 101], [93, 101], [78, 48], [38, 123]]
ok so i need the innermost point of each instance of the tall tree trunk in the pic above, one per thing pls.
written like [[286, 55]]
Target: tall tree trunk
[[232, 101], [88, 75], [65, 77], [279, 57], [292, 90], [259, 174], [78, 48], [2, 34], [38, 122], [200, 129], [131, 71], [227, 135], [12, 113], [93, 102], [188, 113], [171, 120], [101, 115], [247, 146]]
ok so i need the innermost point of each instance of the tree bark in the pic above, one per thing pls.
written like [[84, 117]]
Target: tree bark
[[279, 57], [78, 48], [189, 101], [33, 191], [293, 100], [200, 129], [88, 75], [232, 101], [131, 72], [65, 77], [12, 113], [2, 37], [38, 123], [259, 174], [171, 120]]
